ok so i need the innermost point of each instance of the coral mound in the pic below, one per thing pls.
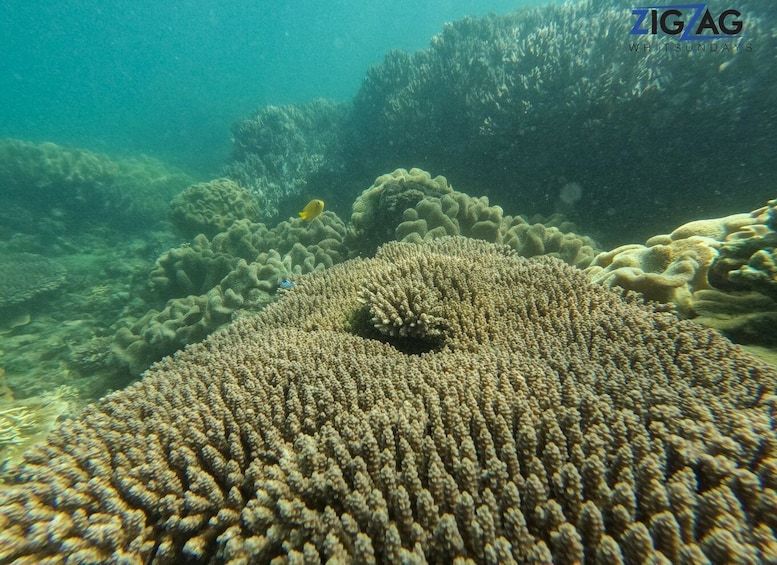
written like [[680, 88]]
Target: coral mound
[[411, 206], [24, 275], [211, 207], [551, 420]]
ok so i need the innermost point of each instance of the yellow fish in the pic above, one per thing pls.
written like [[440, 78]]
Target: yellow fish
[[312, 210]]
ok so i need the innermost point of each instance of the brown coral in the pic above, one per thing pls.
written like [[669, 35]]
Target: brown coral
[[733, 253], [206, 282], [555, 420]]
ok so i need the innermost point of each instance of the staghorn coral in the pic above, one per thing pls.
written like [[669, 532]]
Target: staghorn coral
[[211, 207], [411, 206], [550, 420], [24, 276]]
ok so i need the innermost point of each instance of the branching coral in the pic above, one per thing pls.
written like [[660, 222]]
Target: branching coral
[[558, 421]]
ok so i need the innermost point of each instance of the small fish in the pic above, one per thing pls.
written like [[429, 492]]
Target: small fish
[[312, 210], [286, 284]]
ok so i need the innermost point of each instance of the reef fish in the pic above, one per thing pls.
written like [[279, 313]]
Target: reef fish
[[312, 210], [286, 284]]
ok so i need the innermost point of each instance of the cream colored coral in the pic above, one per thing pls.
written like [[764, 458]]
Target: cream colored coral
[[671, 268], [555, 422]]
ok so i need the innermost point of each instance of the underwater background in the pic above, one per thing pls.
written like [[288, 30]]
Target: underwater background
[[169, 80], [173, 177]]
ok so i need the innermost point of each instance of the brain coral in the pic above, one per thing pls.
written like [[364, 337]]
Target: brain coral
[[211, 207], [439, 401]]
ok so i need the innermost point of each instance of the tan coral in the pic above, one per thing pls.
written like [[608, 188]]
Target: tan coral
[[412, 207], [206, 282], [211, 207], [557, 421], [381, 207], [669, 271], [671, 268]]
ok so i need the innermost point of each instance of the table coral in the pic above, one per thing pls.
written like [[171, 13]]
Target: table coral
[[24, 276]]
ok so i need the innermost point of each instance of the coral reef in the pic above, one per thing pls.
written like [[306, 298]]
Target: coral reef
[[548, 420], [25, 275], [515, 104], [411, 206], [52, 190], [280, 150], [211, 207], [665, 269], [205, 283]]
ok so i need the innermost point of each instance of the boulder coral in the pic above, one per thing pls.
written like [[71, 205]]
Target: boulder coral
[[211, 207], [411, 206], [205, 283], [549, 419]]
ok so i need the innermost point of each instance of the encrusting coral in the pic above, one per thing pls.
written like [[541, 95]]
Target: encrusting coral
[[545, 419]]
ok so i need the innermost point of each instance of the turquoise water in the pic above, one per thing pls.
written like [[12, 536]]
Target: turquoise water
[[169, 80]]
